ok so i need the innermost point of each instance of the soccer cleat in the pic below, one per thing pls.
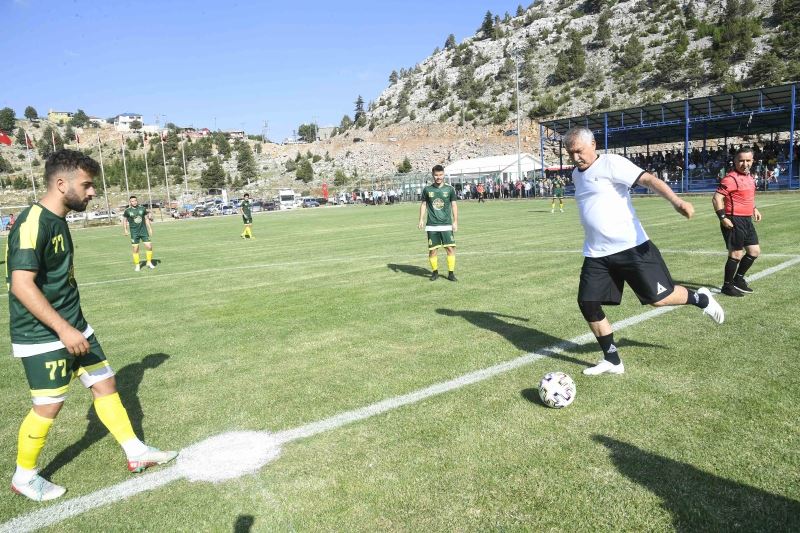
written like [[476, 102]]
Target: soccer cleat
[[713, 309], [137, 268], [552, 211], [150, 265], [604, 367], [452, 276], [561, 210], [741, 285], [38, 489], [434, 275], [151, 457], [728, 290]]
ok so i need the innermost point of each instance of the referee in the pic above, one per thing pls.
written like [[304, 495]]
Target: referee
[[735, 204]]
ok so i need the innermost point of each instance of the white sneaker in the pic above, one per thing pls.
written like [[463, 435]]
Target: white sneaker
[[604, 367], [137, 268], [150, 265], [714, 310], [38, 489], [152, 457]]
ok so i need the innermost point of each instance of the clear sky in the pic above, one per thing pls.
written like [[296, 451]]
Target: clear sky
[[237, 62]]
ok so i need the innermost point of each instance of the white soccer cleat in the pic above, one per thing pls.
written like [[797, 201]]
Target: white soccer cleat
[[137, 268], [38, 489], [714, 310], [150, 265], [152, 457], [604, 367]]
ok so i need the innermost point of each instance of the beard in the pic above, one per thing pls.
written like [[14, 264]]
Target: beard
[[74, 202]]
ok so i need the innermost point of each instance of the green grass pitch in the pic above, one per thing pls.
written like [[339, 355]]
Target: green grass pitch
[[330, 310]]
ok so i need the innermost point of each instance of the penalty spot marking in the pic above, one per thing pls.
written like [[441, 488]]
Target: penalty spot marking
[[229, 455]]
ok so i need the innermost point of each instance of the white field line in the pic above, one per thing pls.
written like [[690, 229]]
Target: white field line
[[59, 512]]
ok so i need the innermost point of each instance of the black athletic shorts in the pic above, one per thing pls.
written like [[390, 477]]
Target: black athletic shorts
[[742, 234], [603, 278]]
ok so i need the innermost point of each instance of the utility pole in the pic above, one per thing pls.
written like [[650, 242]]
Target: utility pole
[[515, 55]]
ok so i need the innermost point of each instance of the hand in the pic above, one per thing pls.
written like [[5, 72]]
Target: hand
[[421, 224], [685, 208], [74, 341], [455, 227], [126, 233], [757, 215], [727, 223]]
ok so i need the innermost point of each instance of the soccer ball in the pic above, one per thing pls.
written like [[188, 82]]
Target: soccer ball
[[557, 390]]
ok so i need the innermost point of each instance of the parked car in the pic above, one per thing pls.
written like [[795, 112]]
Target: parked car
[[228, 210], [75, 216], [310, 202], [201, 212], [256, 206], [270, 206], [358, 140], [509, 133]]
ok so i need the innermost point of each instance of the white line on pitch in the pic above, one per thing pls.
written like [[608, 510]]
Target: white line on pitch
[[59, 512]]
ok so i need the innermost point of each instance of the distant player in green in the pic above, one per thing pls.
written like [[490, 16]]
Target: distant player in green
[[439, 202], [247, 217], [558, 192], [136, 218], [49, 333]]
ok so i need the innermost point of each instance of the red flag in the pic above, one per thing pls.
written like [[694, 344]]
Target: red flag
[[5, 139], [28, 140], [77, 138], [325, 190]]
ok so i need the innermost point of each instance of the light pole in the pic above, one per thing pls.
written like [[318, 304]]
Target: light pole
[[515, 56]]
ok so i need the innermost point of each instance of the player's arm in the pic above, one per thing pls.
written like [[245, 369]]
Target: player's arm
[[757, 214], [454, 207], [423, 209], [662, 189], [148, 224], [24, 288], [718, 201], [125, 224]]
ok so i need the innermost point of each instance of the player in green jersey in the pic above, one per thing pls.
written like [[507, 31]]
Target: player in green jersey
[[439, 203], [49, 333], [247, 217], [558, 192], [137, 219]]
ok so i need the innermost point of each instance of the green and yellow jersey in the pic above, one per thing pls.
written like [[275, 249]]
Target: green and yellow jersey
[[245, 205], [558, 188], [439, 201], [40, 242], [136, 217]]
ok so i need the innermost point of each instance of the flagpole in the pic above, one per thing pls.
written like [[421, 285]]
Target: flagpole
[[147, 172], [124, 164], [30, 164], [53, 138], [103, 174], [166, 177], [185, 176]]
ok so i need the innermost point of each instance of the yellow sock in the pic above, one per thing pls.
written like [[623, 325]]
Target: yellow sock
[[552, 205], [114, 416], [451, 263], [249, 231], [149, 255], [135, 259], [434, 262], [32, 435], [244, 231]]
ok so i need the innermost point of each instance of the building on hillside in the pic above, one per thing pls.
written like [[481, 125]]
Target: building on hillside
[[194, 133], [498, 168], [151, 128], [235, 134], [123, 121], [98, 122], [59, 117], [325, 132]]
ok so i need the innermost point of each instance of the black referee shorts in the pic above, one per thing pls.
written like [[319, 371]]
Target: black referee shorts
[[743, 233], [642, 267]]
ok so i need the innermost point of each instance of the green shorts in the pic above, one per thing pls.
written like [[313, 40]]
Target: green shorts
[[50, 373], [139, 236], [558, 193], [247, 219], [440, 239]]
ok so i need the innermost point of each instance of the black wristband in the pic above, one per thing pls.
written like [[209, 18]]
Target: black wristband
[[721, 214]]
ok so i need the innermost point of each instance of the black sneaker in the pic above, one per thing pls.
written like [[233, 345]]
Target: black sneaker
[[741, 285], [434, 275], [452, 276], [729, 290]]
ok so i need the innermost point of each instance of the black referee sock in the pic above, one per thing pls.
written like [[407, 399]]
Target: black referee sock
[[697, 299], [745, 264], [610, 352], [730, 269]]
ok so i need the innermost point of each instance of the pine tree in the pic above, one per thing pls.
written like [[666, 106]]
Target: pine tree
[[20, 138], [487, 28], [450, 42], [305, 172], [359, 110], [571, 64], [603, 33], [30, 113], [404, 167], [520, 10], [7, 119], [633, 53], [69, 134], [213, 177], [393, 77]]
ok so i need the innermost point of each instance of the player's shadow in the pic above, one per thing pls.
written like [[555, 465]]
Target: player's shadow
[[700, 501], [128, 380], [692, 286], [244, 523], [411, 270], [143, 264], [532, 340]]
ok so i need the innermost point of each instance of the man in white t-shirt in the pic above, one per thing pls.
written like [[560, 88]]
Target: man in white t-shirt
[[616, 248]]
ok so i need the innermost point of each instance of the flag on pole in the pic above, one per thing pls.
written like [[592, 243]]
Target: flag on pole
[[77, 138], [53, 137], [5, 139], [28, 141]]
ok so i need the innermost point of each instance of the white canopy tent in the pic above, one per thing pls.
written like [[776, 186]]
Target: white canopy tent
[[497, 168]]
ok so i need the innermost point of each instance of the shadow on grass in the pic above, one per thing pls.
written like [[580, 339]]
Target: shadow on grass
[[692, 286], [700, 501], [244, 523], [411, 270], [128, 380], [532, 340]]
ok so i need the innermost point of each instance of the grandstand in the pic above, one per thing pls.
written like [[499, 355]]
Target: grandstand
[[688, 142]]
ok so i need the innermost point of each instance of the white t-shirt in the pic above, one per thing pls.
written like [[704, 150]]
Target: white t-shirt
[[602, 193]]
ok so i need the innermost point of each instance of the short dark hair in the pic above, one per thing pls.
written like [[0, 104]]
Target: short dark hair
[[437, 168], [132, 196], [67, 161], [743, 150], [247, 194]]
